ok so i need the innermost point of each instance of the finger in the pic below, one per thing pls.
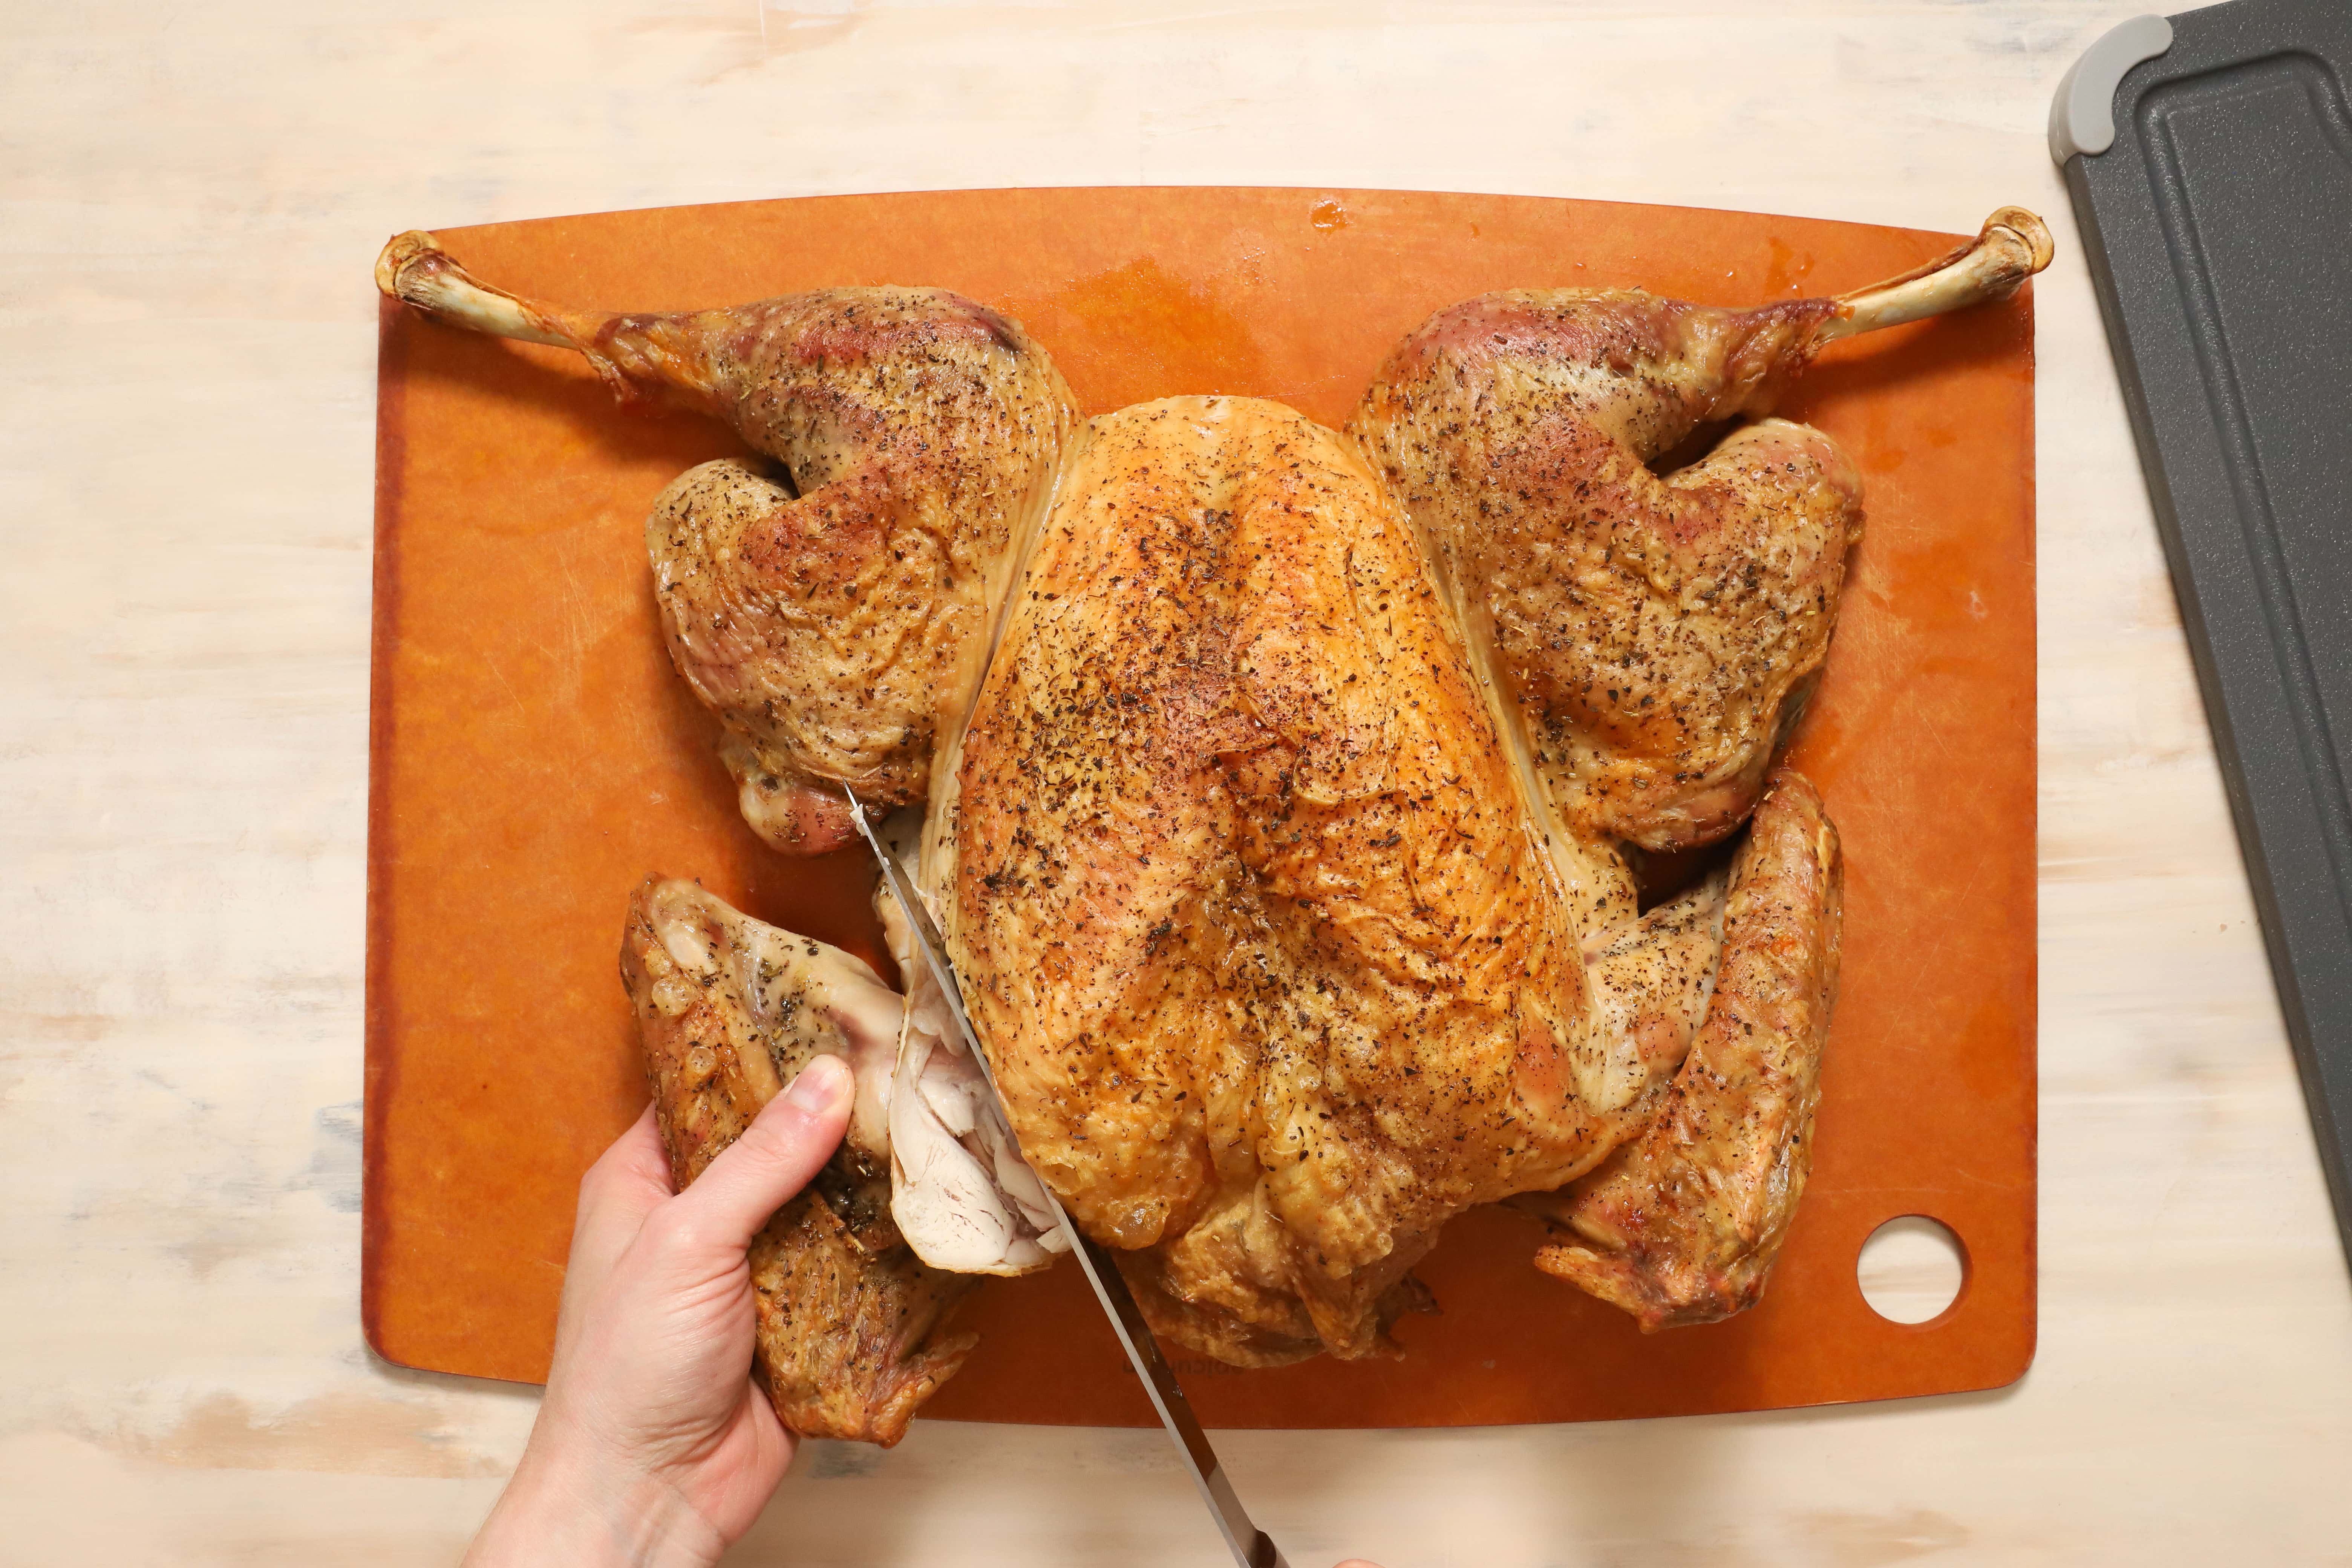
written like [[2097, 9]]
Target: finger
[[770, 1434], [774, 1159], [628, 1181]]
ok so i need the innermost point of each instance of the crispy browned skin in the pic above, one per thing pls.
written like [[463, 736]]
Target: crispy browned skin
[[833, 605], [1657, 634], [1681, 1225], [851, 1324], [1273, 970]]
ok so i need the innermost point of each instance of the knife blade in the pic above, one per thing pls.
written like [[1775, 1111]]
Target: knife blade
[[1252, 1547]]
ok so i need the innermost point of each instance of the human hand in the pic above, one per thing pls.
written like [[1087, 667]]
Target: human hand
[[652, 1444]]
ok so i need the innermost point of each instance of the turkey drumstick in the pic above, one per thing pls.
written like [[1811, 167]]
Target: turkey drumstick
[[2012, 246], [918, 434], [1657, 633]]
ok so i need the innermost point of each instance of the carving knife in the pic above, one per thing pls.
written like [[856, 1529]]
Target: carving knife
[[1252, 1548]]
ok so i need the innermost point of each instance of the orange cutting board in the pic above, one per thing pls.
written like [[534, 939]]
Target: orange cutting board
[[533, 757]]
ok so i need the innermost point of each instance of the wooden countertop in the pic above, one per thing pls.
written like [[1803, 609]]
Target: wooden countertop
[[187, 219]]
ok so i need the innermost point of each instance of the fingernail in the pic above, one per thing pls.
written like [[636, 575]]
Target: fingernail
[[821, 1086]]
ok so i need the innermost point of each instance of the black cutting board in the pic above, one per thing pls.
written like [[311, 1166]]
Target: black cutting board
[[2218, 225]]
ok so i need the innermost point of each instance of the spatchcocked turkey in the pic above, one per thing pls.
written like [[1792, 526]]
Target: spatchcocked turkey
[[1285, 790]]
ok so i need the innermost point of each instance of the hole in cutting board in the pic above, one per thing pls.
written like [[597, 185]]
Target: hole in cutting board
[[1911, 1269]]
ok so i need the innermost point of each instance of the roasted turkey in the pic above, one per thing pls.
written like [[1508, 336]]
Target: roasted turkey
[[1654, 635], [851, 1325], [830, 598], [1284, 794], [1246, 897]]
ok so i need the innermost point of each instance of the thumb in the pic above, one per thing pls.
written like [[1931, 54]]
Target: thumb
[[793, 1138]]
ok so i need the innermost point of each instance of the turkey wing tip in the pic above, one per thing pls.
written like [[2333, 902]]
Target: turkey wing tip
[[1685, 1297]]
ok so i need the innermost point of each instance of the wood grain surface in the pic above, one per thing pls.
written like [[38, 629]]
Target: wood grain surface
[[188, 210], [534, 757]]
